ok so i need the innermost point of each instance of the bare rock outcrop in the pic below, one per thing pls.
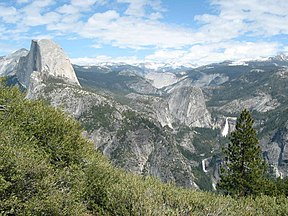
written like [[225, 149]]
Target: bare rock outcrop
[[45, 59], [187, 105], [8, 64]]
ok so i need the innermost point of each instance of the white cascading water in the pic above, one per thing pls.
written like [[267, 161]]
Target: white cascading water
[[225, 129], [204, 165]]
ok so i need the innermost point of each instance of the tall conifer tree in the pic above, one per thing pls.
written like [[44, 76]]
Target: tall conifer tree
[[243, 171]]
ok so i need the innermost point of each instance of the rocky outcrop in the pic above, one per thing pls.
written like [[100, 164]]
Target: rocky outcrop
[[204, 80], [162, 79], [45, 59], [154, 106], [142, 86], [276, 150], [180, 104], [260, 103], [9, 63], [187, 105]]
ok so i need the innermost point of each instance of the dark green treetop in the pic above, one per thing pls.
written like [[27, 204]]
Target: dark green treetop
[[244, 169]]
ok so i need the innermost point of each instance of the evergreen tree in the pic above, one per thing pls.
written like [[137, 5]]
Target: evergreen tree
[[243, 172]]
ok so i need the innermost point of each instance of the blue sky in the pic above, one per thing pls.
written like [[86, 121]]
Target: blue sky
[[184, 31]]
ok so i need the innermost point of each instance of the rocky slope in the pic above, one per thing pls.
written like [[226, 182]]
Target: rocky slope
[[187, 105]]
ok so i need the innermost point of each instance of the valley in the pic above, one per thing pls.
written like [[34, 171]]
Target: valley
[[171, 130]]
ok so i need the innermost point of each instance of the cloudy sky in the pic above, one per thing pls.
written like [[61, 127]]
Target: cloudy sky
[[185, 31]]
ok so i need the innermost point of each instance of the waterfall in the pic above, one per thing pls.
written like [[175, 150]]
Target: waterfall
[[204, 165], [226, 128]]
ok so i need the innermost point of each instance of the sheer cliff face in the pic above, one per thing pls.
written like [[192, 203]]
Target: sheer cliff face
[[187, 104], [45, 59]]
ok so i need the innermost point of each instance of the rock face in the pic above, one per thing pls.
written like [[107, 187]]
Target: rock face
[[187, 105], [180, 103], [160, 80], [9, 63], [261, 103], [45, 59], [276, 150]]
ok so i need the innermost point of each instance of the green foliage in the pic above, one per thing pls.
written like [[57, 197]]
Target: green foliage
[[42, 157], [277, 187], [98, 116], [205, 140], [202, 180], [132, 121], [272, 120], [244, 168]]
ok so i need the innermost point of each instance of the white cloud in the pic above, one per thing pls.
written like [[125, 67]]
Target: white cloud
[[22, 1], [8, 14], [8, 48], [32, 14], [166, 55], [254, 17], [285, 50], [196, 55], [71, 14], [68, 9], [37, 5], [125, 31], [107, 59], [137, 29], [138, 8], [216, 52], [79, 6], [86, 3], [97, 46], [231, 51], [45, 19]]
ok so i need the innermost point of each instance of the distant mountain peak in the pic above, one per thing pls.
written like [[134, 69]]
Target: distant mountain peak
[[280, 57], [17, 54], [45, 59], [8, 63], [144, 67]]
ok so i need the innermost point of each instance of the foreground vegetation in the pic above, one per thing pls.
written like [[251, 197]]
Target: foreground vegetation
[[48, 168], [244, 171]]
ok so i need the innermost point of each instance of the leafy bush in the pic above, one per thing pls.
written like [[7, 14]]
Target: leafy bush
[[42, 159]]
